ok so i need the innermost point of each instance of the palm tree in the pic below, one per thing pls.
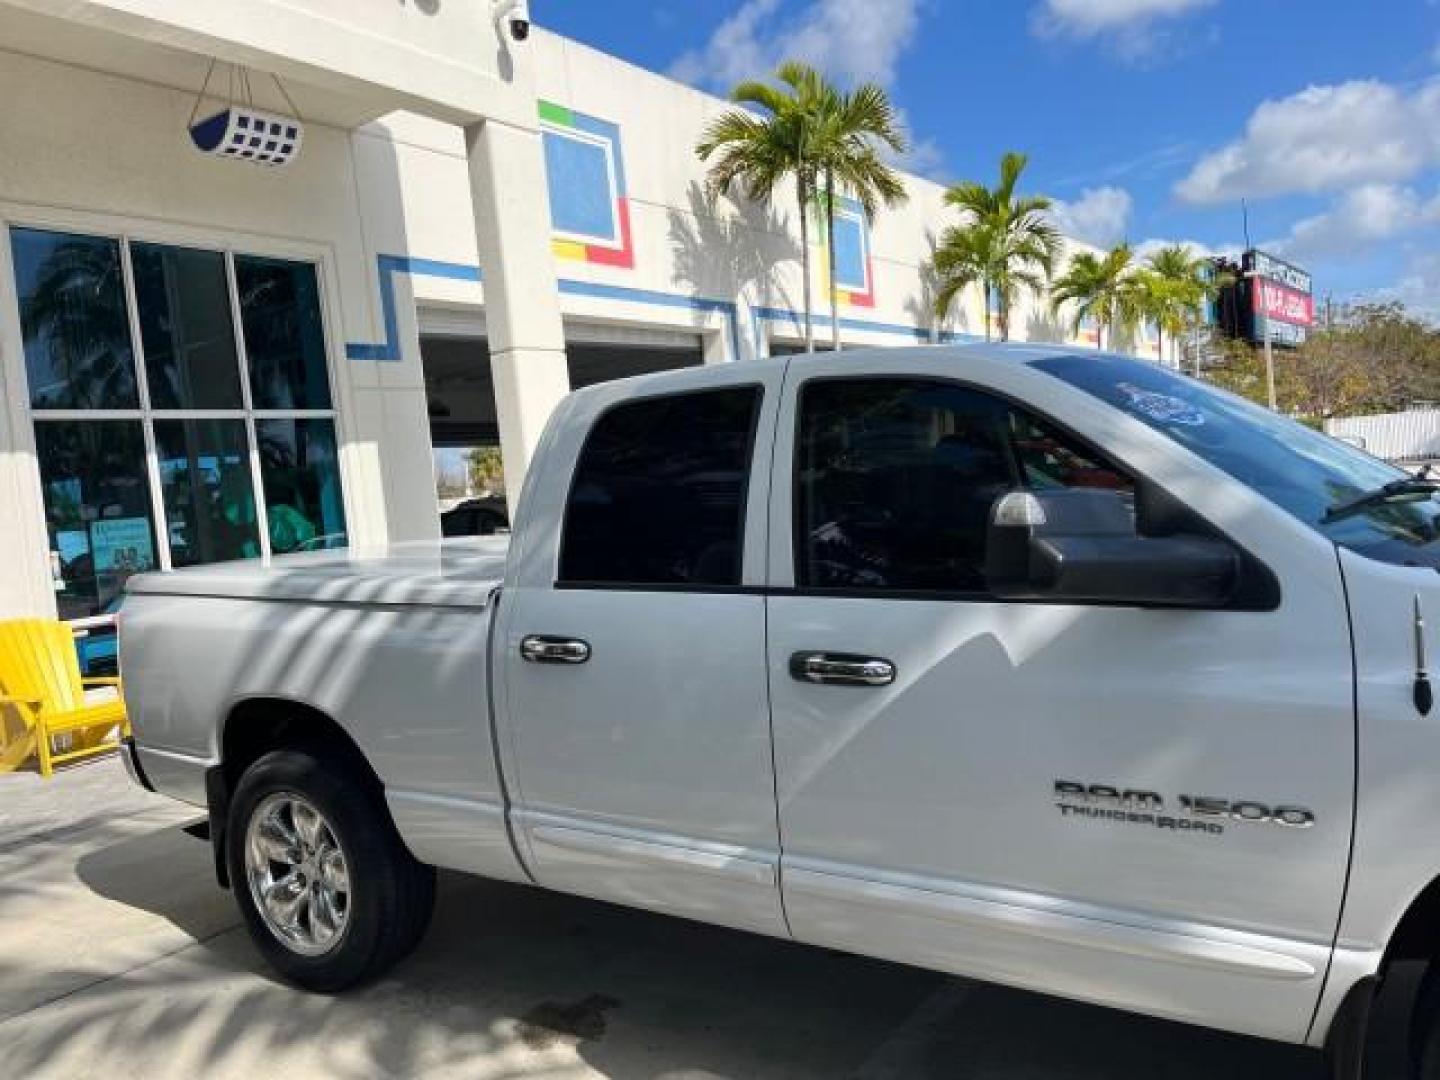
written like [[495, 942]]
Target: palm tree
[[1004, 242], [1102, 287], [852, 129], [759, 153], [1173, 288], [73, 315]]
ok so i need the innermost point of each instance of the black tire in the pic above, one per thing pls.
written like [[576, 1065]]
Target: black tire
[[1425, 1027], [390, 896]]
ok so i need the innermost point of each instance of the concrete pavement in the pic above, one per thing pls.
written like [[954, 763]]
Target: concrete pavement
[[119, 957]]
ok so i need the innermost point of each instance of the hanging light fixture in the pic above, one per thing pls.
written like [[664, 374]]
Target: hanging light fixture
[[242, 132]]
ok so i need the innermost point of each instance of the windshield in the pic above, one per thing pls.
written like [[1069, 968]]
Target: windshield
[[1300, 470]]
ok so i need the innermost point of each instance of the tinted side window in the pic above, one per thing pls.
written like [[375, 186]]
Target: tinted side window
[[896, 478], [1049, 459], [658, 496]]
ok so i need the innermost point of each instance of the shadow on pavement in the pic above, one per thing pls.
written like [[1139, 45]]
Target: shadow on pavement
[[517, 982], [166, 872]]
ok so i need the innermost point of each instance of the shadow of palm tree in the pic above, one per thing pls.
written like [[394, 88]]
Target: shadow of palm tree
[[518, 982], [921, 306], [1045, 326], [717, 255]]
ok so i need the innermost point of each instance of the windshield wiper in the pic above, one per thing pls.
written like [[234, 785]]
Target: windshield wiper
[[1419, 484]]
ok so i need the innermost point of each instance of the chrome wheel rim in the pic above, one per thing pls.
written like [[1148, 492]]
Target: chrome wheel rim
[[299, 877]]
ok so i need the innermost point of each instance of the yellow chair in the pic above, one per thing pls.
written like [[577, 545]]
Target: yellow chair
[[40, 681]]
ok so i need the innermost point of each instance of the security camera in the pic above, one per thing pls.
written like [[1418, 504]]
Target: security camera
[[514, 14]]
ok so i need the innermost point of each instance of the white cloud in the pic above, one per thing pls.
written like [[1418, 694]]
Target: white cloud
[[925, 158], [1089, 17], [1360, 218], [1196, 248], [1100, 216], [1418, 289], [1325, 138], [1130, 25], [851, 40]]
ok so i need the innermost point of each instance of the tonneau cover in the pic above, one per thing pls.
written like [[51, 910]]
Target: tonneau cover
[[457, 573]]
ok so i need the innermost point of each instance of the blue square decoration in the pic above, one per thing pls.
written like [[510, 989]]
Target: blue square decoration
[[582, 195], [850, 262]]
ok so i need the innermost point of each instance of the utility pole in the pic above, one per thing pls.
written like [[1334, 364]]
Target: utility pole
[[1270, 367], [1269, 349], [1269, 343]]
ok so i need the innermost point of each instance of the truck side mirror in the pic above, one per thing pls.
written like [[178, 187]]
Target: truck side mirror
[[1081, 545]]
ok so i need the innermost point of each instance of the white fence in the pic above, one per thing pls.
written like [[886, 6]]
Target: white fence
[[1411, 436]]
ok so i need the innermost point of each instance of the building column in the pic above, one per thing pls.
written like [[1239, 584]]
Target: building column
[[26, 587], [522, 302]]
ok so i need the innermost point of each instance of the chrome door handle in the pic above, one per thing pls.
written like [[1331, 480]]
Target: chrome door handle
[[544, 649], [842, 669]]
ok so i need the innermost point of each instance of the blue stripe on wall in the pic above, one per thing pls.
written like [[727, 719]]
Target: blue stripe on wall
[[388, 351], [623, 294], [822, 322]]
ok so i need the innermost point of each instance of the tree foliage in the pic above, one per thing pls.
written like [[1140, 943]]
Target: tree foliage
[[487, 470], [1171, 290], [1105, 288], [826, 140], [852, 130], [758, 153], [1004, 243], [1372, 358]]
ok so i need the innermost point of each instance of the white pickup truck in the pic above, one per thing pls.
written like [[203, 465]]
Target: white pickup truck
[[1040, 666]]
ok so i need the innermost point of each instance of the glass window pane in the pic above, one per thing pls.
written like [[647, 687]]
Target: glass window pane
[[209, 499], [284, 335], [895, 483], [659, 492], [186, 327], [301, 474], [897, 477], [97, 508], [1049, 459], [73, 321]]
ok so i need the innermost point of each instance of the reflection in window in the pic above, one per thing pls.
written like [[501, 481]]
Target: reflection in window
[[301, 474], [99, 484], [284, 335], [659, 493], [73, 321], [97, 509], [895, 483], [186, 328], [1050, 460], [896, 479], [205, 482]]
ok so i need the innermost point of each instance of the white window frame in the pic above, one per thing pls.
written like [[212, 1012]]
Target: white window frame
[[847, 213], [615, 241], [229, 245]]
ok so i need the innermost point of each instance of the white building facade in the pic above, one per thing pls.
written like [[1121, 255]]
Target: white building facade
[[203, 358]]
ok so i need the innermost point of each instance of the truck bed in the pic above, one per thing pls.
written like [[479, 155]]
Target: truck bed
[[391, 645], [459, 573]]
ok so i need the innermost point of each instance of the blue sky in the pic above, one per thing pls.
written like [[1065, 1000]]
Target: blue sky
[[1149, 119]]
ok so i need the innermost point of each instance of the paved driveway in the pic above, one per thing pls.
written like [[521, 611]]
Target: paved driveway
[[120, 958]]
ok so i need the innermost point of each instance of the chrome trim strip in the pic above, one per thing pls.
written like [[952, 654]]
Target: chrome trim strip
[[1024, 920], [737, 864]]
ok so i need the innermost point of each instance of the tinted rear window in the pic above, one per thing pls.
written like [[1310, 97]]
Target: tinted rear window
[[658, 496]]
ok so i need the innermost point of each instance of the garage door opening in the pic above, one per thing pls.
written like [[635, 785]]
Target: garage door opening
[[464, 428]]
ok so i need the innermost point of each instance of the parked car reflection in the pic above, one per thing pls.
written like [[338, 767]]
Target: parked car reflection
[[475, 517]]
